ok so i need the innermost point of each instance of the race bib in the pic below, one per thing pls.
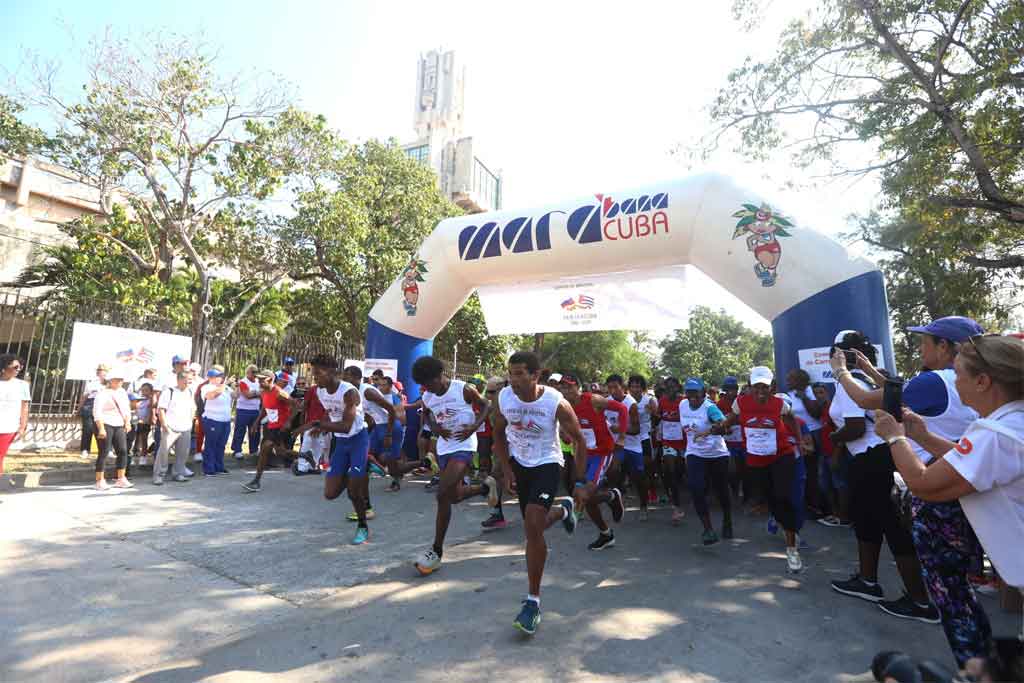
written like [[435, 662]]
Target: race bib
[[591, 438], [761, 441], [272, 414], [672, 431], [482, 428], [671, 452]]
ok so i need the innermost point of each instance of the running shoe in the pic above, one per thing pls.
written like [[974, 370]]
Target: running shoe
[[772, 527], [362, 536], [432, 484], [86, 455], [603, 541], [663, 500], [829, 520], [793, 562], [529, 617], [189, 473], [180, 478], [375, 469], [492, 491], [709, 537], [495, 521], [123, 484], [198, 457], [569, 521], [427, 563], [643, 514], [102, 485], [618, 508], [859, 588], [394, 487], [677, 516], [253, 486], [353, 517], [142, 460], [238, 456], [908, 609]]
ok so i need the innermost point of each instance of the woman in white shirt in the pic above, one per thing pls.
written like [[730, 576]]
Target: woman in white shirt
[[216, 396], [85, 407], [14, 399], [985, 470], [112, 413]]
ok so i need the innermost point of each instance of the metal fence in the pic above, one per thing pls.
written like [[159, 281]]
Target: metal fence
[[39, 333]]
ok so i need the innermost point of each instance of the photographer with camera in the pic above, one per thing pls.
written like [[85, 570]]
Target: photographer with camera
[[872, 511], [946, 545]]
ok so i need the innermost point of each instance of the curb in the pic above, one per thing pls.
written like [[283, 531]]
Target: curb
[[78, 475]]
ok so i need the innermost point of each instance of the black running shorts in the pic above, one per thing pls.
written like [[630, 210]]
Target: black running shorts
[[536, 485]]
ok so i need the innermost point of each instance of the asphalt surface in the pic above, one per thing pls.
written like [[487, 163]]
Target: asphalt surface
[[202, 582]]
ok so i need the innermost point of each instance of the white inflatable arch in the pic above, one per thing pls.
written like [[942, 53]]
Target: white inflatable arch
[[805, 283]]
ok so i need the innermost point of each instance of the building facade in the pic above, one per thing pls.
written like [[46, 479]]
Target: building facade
[[438, 120]]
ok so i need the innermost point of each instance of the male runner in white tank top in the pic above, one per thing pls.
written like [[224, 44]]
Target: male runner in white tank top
[[529, 455], [449, 411]]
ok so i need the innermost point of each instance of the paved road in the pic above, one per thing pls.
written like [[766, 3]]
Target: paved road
[[200, 582]]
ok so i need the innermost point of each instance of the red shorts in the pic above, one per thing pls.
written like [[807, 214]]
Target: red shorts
[[5, 443]]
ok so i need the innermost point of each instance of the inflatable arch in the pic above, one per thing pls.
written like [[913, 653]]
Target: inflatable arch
[[805, 283]]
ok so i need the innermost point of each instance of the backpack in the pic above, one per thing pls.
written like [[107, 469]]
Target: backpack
[[200, 401]]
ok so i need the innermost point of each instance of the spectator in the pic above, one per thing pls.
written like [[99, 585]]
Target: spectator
[[14, 401], [148, 377], [808, 409], [872, 511], [216, 419], [178, 364], [145, 413], [196, 381], [177, 408], [111, 413], [85, 407], [832, 467], [985, 470], [943, 539], [288, 367], [247, 410]]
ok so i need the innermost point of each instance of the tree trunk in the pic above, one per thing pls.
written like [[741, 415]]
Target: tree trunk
[[538, 343]]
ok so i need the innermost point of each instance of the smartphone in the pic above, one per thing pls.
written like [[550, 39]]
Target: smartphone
[[851, 359], [892, 397]]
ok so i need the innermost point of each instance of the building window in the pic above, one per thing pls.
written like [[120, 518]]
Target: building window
[[420, 154], [486, 186]]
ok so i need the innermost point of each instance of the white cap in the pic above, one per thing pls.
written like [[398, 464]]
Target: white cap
[[555, 377], [761, 375], [842, 334]]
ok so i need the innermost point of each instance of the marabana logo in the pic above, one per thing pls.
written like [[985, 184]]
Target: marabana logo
[[607, 220]]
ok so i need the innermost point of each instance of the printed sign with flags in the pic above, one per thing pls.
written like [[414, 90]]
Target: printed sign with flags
[[128, 349]]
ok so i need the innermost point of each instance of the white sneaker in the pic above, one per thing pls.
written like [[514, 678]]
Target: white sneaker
[[188, 472], [85, 454], [198, 457], [238, 456], [143, 460], [102, 485], [793, 561], [428, 562]]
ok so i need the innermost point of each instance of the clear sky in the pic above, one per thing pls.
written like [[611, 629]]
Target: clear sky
[[566, 98]]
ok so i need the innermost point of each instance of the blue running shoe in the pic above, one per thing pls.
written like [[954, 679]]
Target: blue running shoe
[[362, 536], [773, 526], [374, 469], [529, 617]]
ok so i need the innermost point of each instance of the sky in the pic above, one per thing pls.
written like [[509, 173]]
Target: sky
[[562, 97]]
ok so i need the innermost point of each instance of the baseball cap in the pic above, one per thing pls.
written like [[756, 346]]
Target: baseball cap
[[955, 328], [265, 372], [215, 371], [569, 379], [693, 384], [555, 377], [178, 359], [761, 375], [288, 360], [730, 382], [282, 377]]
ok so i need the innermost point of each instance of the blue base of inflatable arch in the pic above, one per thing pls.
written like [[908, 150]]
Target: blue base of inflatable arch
[[856, 304]]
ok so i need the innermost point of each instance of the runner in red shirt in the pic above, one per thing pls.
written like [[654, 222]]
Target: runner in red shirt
[[276, 407], [734, 441], [673, 446], [589, 409]]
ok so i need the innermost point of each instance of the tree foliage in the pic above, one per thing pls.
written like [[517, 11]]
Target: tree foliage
[[714, 345], [592, 356]]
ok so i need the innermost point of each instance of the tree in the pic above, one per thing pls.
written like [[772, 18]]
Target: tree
[[189, 154], [714, 345], [468, 329], [592, 356], [935, 87], [16, 137]]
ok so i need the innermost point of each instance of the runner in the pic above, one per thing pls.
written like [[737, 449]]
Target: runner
[[673, 446], [275, 411], [448, 409], [600, 443], [630, 457], [647, 409], [527, 423], [485, 441], [342, 403], [381, 417], [397, 465], [767, 424], [734, 442], [707, 458]]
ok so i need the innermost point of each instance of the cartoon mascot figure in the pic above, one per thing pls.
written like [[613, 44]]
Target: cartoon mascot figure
[[763, 227], [411, 277]]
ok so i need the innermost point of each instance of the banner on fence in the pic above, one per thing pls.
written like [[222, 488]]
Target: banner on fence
[[389, 366], [128, 349], [349, 362]]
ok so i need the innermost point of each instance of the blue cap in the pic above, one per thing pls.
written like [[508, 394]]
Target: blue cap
[[953, 327], [693, 384], [729, 382], [134, 397], [288, 360], [214, 372], [178, 359], [282, 376]]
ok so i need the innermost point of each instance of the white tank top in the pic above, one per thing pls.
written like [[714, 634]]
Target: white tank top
[[800, 410], [453, 413], [334, 406], [696, 422], [532, 429], [642, 406], [612, 418], [376, 413], [952, 423]]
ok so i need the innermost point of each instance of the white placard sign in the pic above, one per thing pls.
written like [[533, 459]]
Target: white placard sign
[[816, 362], [128, 349], [389, 366], [650, 299], [350, 362]]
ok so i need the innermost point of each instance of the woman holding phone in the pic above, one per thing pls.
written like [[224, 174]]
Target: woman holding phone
[[943, 538], [872, 511]]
